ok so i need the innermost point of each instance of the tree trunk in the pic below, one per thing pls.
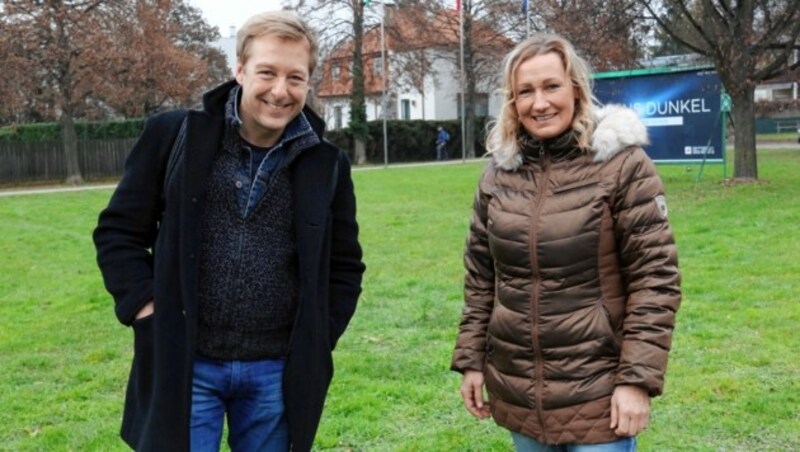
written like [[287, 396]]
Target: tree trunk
[[358, 108], [469, 96], [360, 152], [70, 141], [745, 165]]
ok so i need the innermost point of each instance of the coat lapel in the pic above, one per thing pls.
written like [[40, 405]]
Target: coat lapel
[[203, 137], [312, 185]]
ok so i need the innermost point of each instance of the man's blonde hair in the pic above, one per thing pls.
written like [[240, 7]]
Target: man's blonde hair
[[503, 136], [285, 25]]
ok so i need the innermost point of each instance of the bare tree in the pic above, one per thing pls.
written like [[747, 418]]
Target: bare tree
[[413, 29], [342, 22], [123, 55], [484, 28], [608, 33], [358, 107], [163, 58], [749, 41], [17, 82], [62, 42]]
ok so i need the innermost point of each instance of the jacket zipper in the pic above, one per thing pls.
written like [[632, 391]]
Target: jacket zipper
[[539, 367]]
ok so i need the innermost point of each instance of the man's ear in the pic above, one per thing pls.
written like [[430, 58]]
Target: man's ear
[[239, 72]]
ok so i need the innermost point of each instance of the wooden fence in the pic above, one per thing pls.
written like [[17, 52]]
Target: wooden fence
[[23, 162]]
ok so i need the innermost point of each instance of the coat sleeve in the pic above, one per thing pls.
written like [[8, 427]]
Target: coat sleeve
[[127, 228], [347, 267], [650, 271], [479, 288]]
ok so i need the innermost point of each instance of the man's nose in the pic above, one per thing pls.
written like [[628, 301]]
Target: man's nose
[[280, 87]]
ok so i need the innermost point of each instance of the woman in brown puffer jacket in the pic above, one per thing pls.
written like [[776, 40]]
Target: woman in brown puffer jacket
[[572, 279]]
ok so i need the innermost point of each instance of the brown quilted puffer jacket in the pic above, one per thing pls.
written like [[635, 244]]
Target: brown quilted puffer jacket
[[572, 283]]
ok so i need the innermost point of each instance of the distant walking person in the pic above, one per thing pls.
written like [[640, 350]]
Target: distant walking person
[[442, 138], [572, 278], [231, 247]]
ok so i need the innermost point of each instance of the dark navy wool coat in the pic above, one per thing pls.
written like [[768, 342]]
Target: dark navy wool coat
[[147, 246]]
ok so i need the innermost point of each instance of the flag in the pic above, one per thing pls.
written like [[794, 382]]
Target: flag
[[367, 2], [458, 5], [524, 6]]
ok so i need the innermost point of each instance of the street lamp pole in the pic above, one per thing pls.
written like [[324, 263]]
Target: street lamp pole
[[463, 98]]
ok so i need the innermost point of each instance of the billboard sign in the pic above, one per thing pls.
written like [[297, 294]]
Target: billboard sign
[[681, 108]]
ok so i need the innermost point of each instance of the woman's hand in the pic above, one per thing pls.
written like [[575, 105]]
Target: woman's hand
[[472, 393], [630, 410]]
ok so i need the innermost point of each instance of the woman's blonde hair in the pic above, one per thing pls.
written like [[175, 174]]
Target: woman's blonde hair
[[503, 136], [283, 24]]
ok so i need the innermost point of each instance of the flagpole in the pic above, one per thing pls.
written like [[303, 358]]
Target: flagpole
[[463, 108]]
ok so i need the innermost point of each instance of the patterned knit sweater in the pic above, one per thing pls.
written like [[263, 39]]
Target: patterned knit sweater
[[248, 286]]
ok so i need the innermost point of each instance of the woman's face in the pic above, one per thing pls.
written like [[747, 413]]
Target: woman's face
[[545, 97]]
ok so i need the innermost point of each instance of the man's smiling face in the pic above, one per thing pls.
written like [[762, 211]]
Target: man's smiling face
[[275, 81]]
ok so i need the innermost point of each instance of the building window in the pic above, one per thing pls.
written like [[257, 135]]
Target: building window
[[377, 67], [337, 117], [405, 109], [336, 71]]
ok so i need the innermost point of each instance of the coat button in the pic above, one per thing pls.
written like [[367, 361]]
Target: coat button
[[183, 312], [194, 200], [191, 256], [238, 184]]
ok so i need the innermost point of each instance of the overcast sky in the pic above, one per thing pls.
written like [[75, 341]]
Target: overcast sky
[[224, 13]]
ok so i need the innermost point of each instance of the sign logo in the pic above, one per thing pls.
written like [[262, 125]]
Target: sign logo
[[661, 203]]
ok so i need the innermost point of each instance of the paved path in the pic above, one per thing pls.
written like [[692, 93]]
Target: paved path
[[53, 189], [62, 188], [65, 188]]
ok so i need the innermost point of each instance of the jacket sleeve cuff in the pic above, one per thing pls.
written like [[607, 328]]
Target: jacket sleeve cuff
[[654, 385]]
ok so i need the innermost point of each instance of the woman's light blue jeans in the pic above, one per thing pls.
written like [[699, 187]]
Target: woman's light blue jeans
[[250, 393], [523, 443]]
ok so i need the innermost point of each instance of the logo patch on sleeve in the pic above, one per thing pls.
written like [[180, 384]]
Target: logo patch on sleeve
[[661, 203]]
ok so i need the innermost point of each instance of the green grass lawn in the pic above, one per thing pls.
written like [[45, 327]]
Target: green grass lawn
[[732, 383]]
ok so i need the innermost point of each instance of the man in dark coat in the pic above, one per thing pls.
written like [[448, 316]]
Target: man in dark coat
[[231, 247]]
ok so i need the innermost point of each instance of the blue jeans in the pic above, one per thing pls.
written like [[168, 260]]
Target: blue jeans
[[523, 443], [250, 393]]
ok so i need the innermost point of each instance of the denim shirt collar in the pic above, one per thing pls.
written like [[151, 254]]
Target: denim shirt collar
[[298, 135]]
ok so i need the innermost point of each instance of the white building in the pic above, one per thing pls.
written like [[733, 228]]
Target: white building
[[421, 76]]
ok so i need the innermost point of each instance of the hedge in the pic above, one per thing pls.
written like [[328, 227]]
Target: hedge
[[51, 131], [409, 140]]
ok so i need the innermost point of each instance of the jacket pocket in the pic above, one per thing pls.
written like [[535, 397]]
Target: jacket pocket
[[610, 331], [143, 334]]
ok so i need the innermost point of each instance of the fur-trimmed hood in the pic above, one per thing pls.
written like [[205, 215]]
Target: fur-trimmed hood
[[616, 128]]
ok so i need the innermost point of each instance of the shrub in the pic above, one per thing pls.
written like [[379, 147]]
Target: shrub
[[409, 140], [51, 131]]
